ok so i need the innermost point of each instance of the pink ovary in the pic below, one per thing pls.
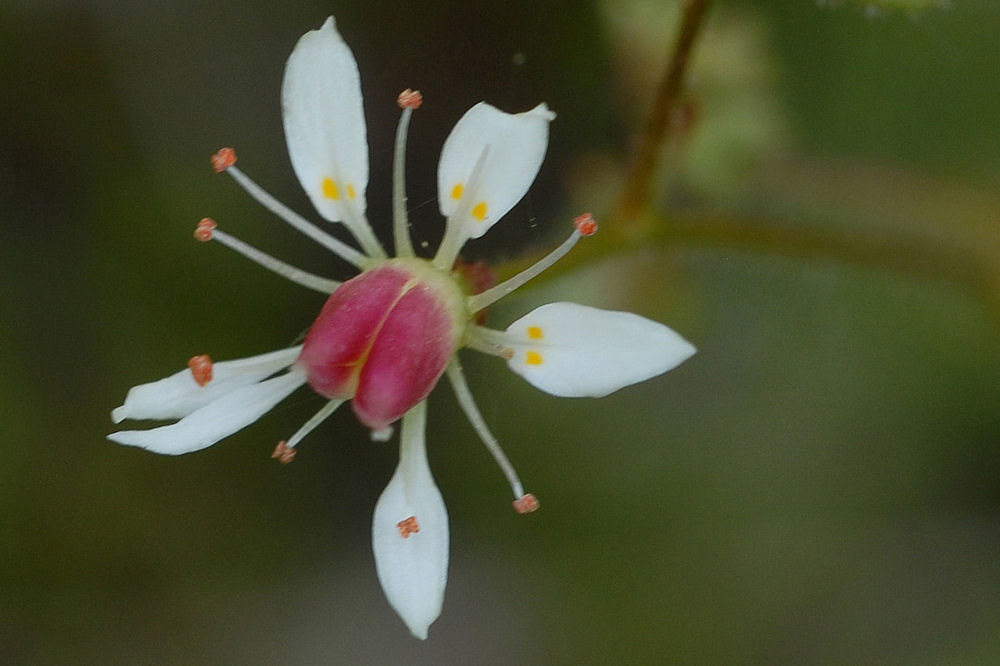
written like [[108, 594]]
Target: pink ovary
[[383, 339]]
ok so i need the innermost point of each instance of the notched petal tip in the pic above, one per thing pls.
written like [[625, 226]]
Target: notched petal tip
[[543, 111], [119, 414], [488, 162]]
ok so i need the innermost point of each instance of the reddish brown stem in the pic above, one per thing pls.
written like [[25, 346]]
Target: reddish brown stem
[[638, 190]]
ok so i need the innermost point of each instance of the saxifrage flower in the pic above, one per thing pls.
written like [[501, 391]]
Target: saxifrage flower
[[384, 338]]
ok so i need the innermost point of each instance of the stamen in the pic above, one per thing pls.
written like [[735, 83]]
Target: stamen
[[352, 217], [222, 160], [201, 368], [338, 247], [283, 453], [468, 405], [208, 230], [408, 527], [585, 226], [456, 230], [527, 503], [306, 428], [203, 232], [408, 101], [488, 341], [358, 225]]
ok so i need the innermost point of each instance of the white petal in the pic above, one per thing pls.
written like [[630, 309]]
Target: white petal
[[325, 122], [179, 394], [515, 147], [221, 418], [413, 569], [575, 351]]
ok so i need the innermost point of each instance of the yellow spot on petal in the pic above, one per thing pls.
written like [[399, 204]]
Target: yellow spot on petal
[[535, 333], [350, 192], [480, 211], [330, 189], [533, 358], [456, 192]]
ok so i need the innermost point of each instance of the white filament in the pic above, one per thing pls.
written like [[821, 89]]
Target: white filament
[[316, 419], [339, 248], [286, 271], [468, 405], [494, 294], [400, 224]]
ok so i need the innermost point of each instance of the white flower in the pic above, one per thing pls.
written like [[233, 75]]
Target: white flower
[[385, 337]]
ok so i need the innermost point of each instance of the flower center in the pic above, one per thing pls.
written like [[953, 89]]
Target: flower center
[[384, 338]]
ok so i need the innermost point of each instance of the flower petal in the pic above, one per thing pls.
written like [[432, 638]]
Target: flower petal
[[410, 533], [218, 419], [178, 395], [513, 147], [325, 122], [572, 350]]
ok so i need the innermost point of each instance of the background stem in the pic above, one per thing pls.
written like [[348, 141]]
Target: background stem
[[638, 191]]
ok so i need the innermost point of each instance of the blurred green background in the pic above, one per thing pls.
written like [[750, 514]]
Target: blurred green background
[[819, 484]]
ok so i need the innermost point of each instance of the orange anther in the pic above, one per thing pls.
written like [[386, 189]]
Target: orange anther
[[526, 503], [203, 231], [408, 526], [284, 453], [222, 160], [410, 99], [585, 224], [201, 368]]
